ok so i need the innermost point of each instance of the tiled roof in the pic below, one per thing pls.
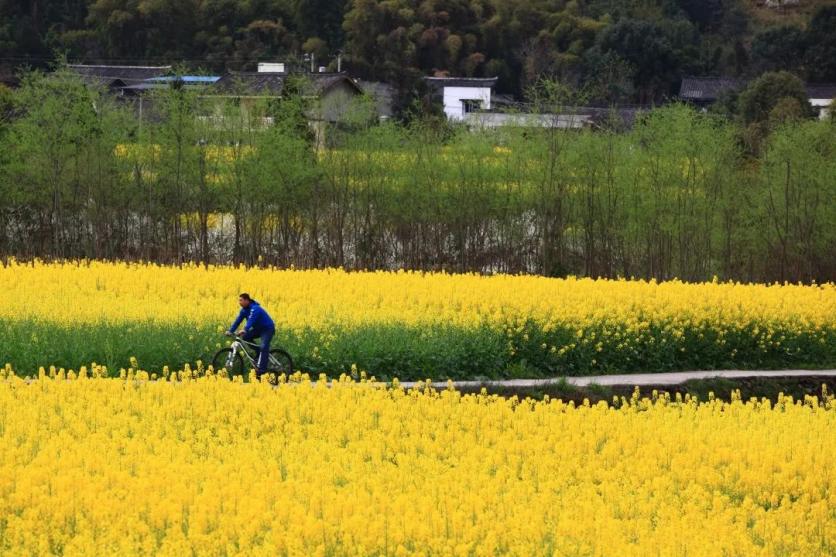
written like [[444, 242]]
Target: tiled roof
[[708, 88], [251, 83], [461, 81], [323, 81], [272, 84], [821, 90], [108, 75]]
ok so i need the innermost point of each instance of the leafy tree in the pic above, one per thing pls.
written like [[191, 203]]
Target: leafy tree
[[609, 78], [317, 47], [821, 40], [59, 167], [646, 47], [6, 104], [322, 18], [765, 93], [704, 13], [779, 48], [787, 110], [797, 171]]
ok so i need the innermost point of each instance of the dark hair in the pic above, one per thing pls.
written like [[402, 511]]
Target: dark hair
[[245, 296]]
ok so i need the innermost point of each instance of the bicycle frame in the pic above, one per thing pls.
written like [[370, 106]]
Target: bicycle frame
[[239, 346]]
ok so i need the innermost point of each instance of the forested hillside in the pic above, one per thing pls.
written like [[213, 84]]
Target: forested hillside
[[638, 48]]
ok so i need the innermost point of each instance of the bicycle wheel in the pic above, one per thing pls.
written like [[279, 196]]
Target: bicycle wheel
[[280, 362], [233, 362]]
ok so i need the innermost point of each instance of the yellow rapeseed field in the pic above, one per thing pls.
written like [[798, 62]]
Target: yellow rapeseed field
[[411, 324], [217, 467], [93, 292]]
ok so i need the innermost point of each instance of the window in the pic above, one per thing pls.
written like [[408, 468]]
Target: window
[[471, 105]]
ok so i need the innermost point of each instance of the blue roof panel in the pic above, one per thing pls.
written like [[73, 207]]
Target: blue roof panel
[[187, 78]]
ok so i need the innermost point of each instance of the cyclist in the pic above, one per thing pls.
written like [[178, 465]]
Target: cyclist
[[258, 325]]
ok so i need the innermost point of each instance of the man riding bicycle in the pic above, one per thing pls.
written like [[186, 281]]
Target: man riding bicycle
[[259, 325]]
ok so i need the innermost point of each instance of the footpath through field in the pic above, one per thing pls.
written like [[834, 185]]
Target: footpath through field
[[635, 379]]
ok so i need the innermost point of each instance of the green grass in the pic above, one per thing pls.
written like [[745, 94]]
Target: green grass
[[436, 352]]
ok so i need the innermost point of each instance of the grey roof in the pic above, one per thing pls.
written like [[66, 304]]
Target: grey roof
[[252, 83], [324, 81], [461, 81], [623, 115], [821, 90], [271, 84], [111, 76], [708, 88]]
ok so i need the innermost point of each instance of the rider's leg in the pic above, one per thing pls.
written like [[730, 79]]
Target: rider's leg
[[250, 336], [264, 353]]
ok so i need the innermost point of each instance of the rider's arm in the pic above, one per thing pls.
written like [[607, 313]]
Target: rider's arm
[[241, 316], [251, 319]]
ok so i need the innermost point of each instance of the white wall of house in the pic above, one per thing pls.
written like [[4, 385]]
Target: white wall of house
[[271, 67], [498, 119], [455, 97], [822, 107]]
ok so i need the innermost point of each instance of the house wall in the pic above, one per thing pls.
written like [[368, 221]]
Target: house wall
[[498, 119], [453, 97], [336, 102], [821, 106]]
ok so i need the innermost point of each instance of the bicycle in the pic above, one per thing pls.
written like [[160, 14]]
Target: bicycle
[[232, 359]]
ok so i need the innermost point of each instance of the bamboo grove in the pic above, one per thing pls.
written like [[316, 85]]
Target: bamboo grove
[[678, 194]]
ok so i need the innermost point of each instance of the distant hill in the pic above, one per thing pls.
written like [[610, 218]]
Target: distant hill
[[615, 50]]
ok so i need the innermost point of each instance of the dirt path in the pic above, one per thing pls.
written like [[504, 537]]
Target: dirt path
[[637, 379]]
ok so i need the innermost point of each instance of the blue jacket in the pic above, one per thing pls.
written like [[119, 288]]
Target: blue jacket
[[257, 319]]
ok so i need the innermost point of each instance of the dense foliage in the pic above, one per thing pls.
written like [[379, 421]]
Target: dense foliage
[[410, 325], [679, 194], [211, 467], [644, 46]]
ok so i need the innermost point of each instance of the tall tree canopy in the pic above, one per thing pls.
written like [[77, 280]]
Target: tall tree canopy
[[645, 46]]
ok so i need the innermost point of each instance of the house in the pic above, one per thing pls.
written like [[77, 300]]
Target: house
[[461, 96], [705, 91], [472, 102], [334, 91], [821, 98], [383, 95]]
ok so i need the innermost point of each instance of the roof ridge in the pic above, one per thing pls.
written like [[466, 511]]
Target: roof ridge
[[118, 66], [462, 78]]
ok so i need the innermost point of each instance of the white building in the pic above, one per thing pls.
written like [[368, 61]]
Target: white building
[[821, 98], [271, 67], [470, 101], [463, 95], [484, 120]]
